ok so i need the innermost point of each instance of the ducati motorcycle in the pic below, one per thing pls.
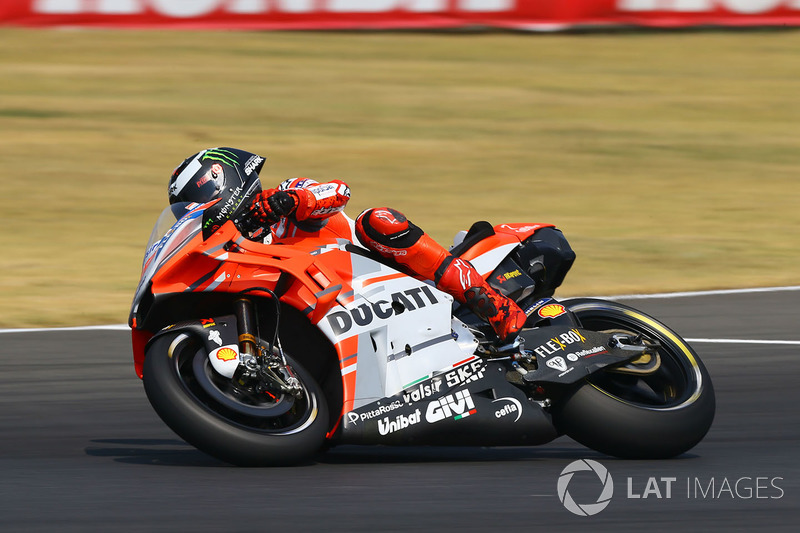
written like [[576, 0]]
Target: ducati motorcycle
[[267, 353]]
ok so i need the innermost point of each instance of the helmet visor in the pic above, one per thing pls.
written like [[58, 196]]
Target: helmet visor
[[201, 187]]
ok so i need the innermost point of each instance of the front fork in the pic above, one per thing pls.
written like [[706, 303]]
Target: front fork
[[261, 367], [248, 345]]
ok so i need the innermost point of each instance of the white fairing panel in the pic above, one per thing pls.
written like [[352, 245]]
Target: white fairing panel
[[487, 262], [403, 329]]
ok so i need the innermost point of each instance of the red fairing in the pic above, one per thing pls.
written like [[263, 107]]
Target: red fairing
[[139, 340]]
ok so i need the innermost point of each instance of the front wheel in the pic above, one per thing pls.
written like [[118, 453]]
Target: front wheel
[[224, 421], [650, 411]]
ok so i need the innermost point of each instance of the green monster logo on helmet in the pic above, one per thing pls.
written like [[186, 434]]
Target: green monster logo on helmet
[[223, 156]]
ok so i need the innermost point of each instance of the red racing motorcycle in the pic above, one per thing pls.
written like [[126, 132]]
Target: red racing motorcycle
[[263, 354]]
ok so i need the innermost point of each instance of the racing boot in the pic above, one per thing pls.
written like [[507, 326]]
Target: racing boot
[[460, 279]]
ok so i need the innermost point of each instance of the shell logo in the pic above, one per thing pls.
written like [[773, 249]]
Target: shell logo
[[227, 354], [552, 311]]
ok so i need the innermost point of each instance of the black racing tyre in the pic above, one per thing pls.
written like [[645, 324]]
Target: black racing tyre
[[654, 415], [202, 408]]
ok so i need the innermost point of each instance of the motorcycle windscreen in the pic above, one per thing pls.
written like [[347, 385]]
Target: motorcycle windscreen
[[176, 225]]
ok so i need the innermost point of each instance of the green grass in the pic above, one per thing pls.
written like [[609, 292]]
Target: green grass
[[670, 160]]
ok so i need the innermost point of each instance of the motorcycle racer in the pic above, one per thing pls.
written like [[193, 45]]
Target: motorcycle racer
[[303, 207]]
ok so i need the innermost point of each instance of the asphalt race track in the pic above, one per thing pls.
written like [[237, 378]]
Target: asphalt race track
[[82, 450]]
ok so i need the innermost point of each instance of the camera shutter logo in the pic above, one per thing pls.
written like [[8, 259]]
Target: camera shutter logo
[[586, 509]]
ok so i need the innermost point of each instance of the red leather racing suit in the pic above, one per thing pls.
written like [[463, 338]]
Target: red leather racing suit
[[390, 234]]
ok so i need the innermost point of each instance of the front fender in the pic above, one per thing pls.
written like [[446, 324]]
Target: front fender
[[220, 336]]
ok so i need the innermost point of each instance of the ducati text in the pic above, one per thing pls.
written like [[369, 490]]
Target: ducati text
[[410, 299]]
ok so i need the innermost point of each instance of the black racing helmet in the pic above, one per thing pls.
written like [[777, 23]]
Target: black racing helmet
[[227, 174], [212, 173]]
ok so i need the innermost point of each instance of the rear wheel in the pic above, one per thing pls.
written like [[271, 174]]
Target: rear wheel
[[238, 426], [657, 407]]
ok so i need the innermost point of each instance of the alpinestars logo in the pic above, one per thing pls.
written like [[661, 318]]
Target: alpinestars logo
[[586, 509], [457, 406]]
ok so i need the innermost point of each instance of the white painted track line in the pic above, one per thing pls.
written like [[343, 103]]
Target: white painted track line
[[698, 293], [742, 341], [75, 328]]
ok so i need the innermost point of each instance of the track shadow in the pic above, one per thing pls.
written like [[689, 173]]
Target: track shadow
[[566, 449], [174, 452], [160, 452], [448, 454]]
